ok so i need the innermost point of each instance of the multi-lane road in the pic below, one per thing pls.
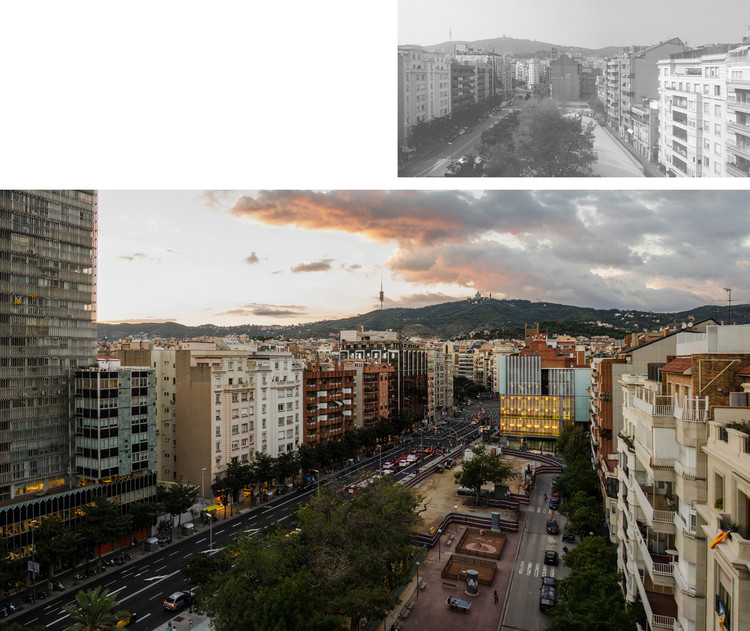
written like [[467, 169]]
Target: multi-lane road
[[143, 583]]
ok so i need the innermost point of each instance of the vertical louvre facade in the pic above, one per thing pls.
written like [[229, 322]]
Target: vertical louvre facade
[[47, 330]]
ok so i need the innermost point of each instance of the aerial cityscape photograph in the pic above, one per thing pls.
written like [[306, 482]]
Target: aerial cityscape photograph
[[362, 409], [550, 89]]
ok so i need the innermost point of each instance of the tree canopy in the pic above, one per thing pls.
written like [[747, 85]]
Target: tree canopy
[[590, 598], [342, 562], [94, 610], [483, 467]]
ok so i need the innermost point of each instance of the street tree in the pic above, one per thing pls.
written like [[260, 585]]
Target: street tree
[[482, 468], [262, 469], [94, 610], [580, 476], [584, 514], [177, 498], [551, 145], [574, 443], [102, 524], [590, 598], [238, 476], [341, 563], [144, 515], [199, 569], [55, 543]]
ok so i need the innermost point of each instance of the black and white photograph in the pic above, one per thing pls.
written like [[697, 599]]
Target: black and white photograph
[[584, 89]]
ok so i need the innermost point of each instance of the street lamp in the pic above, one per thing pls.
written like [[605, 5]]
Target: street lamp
[[33, 561], [203, 489], [417, 564], [211, 533], [440, 532], [455, 521]]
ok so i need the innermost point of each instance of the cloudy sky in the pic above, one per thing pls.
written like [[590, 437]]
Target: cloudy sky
[[296, 256], [586, 23]]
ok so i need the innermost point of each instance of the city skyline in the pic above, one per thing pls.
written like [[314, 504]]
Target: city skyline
[[429, 22], [227, 258]]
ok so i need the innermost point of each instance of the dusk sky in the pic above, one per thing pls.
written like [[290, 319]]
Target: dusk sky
[[295, 256], [586, 23]]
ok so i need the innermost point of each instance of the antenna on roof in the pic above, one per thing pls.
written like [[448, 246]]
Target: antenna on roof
[[381, 292], [729, 314]]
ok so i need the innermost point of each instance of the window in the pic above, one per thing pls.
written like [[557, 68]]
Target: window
[[218, 446], [263, 409], [717, 110], [218, 430], [235, 444], [705, 160], [717, 90], [706, 143], [717, 129], [235, 429], [717, 148], [244, 442], [281, 435], [244, 427], [281, 407]]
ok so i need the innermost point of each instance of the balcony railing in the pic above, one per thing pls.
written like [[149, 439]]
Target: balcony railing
[[655, 568], [682, 583]]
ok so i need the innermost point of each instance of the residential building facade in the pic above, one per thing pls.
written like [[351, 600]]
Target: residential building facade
[[329, 396]]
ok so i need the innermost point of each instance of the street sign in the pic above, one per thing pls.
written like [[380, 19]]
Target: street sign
[[33, 567]]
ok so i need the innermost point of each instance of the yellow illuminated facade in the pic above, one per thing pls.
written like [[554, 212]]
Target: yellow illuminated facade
[[535, 415]]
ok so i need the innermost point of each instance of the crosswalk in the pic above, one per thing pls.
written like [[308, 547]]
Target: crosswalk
[[536, 509], [527, 567]]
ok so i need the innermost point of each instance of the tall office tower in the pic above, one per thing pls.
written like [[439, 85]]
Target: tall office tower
[[47, 330]]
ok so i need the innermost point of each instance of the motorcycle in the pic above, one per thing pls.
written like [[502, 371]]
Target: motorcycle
[[58, 587], [568, 537], [29, 598]]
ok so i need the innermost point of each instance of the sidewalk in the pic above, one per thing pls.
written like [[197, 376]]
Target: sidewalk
[[181, 622]]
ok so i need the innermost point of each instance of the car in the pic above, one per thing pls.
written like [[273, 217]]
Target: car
[[449, 463], [176, 600], [547, 598], [551, 557], [549, 581], [126, 619], [554, 503], [555, 478], [552, 527]]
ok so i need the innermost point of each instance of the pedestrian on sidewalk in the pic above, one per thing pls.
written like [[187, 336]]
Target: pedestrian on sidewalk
[[496, 597], [169, 626]]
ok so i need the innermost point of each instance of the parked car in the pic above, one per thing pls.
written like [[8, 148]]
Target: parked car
[[449, 463], [552, 527], [549, 581], [551, 557], [547, 598], [126, 619], [554, 503], [176, 600]]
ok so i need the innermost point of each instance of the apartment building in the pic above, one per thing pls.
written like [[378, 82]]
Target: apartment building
[[487, 64], [606, 424], [693, 102], [738, 111], [408, 358], [632, 78], [424, 88], [114, 428], [565, 79], [329, 402], [668, 401]]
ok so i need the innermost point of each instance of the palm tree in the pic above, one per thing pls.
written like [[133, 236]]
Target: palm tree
[[94, 610]]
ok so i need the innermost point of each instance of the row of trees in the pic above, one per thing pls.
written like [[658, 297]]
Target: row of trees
[[339, 565], [589, 597], [538, 142]]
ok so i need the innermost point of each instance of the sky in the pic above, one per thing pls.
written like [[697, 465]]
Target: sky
[[585, 23], [283, 257]]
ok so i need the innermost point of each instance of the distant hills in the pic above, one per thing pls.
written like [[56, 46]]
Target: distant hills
[[513, 46], [503, 318]]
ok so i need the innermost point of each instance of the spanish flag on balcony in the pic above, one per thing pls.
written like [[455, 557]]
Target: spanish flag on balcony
[[719, 538]]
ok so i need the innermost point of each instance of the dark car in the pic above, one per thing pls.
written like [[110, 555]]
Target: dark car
[[176, 600], [449, 463], [550, 557], [552, 527], [549, 581], [554, 503], [547, 598]]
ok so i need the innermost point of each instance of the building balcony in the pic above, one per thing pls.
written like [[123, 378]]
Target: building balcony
[[659, 567], [740, 128], [737, 171], [653, 404], [738, 105], [683, 585], [659, 519], [739, 148], [661, 609]]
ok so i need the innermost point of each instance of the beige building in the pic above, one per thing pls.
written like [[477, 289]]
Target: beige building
[[667, 510]]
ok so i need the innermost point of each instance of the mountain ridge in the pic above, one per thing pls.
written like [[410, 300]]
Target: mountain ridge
[[446, 320]]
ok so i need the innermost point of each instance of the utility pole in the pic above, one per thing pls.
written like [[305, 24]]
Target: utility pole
[[729, 314]]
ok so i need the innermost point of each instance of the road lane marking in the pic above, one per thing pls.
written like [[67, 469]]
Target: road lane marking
[[149, 586], [520, 569], [536, 570], [143, 617], [237, 525], [199, 540], [531, 566]]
